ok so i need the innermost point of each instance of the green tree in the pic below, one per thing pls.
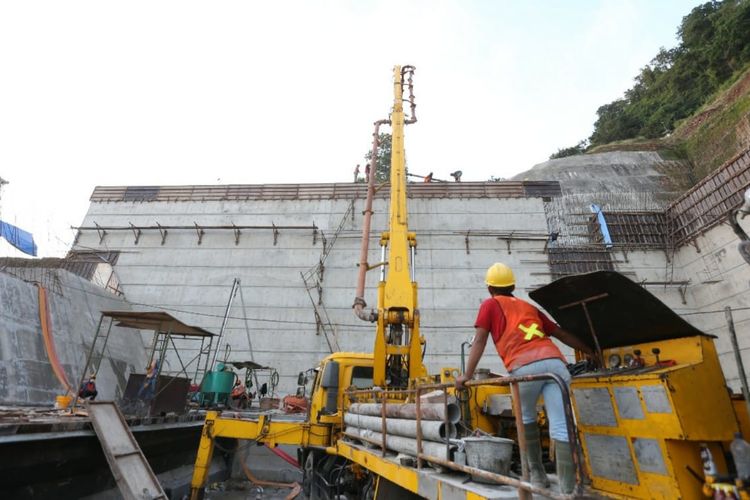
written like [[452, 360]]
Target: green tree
[[614, 123], [383, 160], [578, 149]]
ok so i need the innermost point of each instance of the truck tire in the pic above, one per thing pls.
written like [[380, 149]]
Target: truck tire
[[308, 474]]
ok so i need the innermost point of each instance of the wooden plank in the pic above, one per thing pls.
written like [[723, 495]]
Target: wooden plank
[[131, 470]]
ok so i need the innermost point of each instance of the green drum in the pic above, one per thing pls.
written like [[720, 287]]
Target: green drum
[[216, 386]]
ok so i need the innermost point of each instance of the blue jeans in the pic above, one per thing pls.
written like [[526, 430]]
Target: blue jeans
[[553, 404]]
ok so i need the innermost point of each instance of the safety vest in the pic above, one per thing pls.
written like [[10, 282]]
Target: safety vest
[[523, 341]]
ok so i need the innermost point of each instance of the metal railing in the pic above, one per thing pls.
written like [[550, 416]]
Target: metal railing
[[247, 192], [525, 488]]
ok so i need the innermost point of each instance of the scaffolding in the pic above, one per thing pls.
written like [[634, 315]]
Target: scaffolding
[[639, 220], [165, 327]]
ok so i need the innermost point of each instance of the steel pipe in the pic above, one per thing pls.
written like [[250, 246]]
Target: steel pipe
[[432, 430], [359, 295], [428, 411], [401, 444], [498, 478]]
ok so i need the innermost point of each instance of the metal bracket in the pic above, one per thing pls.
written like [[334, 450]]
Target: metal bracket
[[200, 232], [318, 322], [695, 244], [315, 234], [275, 234], [321, 270], [136, 232], [683, 290], [102, 232], [466, 240], [237, 233], [507, 242], [163, 233]]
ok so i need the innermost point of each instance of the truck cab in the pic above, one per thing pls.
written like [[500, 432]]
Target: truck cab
[[335, 374]]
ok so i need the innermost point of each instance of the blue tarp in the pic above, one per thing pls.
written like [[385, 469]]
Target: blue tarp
[[602, 225], [22, 240]]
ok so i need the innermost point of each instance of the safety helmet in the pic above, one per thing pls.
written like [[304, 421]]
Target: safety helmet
[[499, 275]]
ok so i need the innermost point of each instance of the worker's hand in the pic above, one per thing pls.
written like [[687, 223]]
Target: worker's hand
[[460, 380]]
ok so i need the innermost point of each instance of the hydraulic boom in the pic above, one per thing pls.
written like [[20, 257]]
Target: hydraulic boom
[[398, 344]]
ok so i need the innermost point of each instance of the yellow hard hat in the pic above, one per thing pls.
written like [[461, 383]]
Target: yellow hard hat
[[499, 275]]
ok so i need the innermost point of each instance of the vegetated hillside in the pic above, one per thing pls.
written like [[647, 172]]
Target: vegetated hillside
[[692, 100], [713, 48], [716, 133]]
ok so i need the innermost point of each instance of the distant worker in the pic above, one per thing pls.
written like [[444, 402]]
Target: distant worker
[[367, 172], [88, 388], [428, 177], [356, 173], [521, 334], [457, 175], [148, 389]]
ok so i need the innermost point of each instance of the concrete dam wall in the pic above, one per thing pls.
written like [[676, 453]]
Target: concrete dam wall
[[26, 376]]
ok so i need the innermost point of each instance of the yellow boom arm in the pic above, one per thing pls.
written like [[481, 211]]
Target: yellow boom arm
[[398, 344]]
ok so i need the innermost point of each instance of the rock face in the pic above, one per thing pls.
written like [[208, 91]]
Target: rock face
[[612, 172]]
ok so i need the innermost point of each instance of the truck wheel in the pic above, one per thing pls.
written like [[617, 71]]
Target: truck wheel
[[308, 475]]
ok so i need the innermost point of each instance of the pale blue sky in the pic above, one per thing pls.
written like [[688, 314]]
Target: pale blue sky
[[182, 92]]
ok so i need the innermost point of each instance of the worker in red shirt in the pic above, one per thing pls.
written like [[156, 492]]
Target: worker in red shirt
[[522, 337]]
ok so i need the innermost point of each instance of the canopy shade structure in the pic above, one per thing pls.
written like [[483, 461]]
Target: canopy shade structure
[[158, 321]]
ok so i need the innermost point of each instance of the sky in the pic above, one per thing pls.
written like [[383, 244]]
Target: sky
[[151, 92]]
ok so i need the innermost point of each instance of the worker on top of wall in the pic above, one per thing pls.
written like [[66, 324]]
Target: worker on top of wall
[[521, 334]]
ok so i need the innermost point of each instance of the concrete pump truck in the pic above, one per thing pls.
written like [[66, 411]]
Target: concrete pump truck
[[356, 461], [379, 426]]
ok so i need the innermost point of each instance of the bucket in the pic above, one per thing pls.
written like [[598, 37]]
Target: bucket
[[62, 402], [488, 453]]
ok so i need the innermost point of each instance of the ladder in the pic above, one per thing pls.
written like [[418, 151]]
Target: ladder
[[129, 466], [313, 279]]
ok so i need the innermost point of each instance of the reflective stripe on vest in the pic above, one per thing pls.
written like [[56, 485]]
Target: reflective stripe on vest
[[531, 331]]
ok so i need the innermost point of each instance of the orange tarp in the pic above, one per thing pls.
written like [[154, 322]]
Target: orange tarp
[[49, 343]]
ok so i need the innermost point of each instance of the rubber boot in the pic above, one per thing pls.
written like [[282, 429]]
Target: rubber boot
[[566, 472], [537, 475]]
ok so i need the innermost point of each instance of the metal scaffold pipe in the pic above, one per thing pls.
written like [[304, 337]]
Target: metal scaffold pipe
[[428, 411], [432, 430], [235, 286], [405, 445]]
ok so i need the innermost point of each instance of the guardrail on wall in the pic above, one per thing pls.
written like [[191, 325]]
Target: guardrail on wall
[[272, 192]]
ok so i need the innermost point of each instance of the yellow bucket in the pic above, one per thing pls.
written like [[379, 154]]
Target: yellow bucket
[[62, 402]]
